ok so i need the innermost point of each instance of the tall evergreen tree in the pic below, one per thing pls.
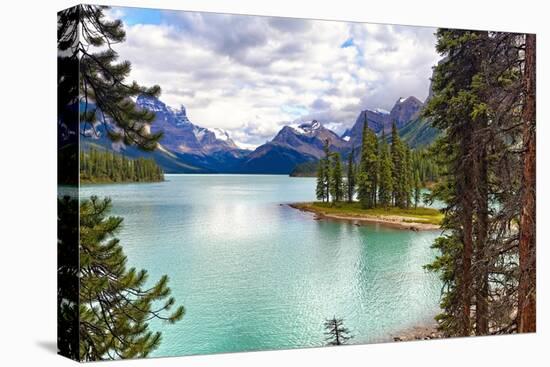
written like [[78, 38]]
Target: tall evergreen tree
[[453, 108], [400, 169], [368, 169], [85, 38], [417, 188], [385, 187], [409, 177], [527, 235], [326, 169], [320, 186], [336, 178], [350, 181]]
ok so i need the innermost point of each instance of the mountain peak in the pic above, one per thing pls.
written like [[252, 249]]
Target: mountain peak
[[308, 128], [405, 109], [409, 99], [181, 116], [150, 103]]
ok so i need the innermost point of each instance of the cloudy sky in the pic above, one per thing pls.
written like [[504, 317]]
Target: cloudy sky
[[252, 75]]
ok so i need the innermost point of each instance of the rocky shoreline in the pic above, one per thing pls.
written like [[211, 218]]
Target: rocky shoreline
[[428, 332]]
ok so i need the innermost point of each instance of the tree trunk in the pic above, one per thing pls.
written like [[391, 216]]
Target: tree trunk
[[527, 240], [482, 224], [467, 192], [467, 270]]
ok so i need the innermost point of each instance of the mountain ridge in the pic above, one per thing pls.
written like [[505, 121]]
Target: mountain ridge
[[187, 147]]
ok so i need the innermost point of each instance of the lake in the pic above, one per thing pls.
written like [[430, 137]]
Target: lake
[[254, 274]]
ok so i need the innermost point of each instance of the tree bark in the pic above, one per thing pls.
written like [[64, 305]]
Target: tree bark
[[527, 235], [467, 191], [467, 270], [482, 224]]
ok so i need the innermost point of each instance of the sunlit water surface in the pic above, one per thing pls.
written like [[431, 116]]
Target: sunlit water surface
[[256, 274]]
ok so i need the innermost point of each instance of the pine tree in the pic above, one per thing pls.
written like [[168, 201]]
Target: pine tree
[[452, 108], [320, 187], [483, 102], [400, 170], [100, 166], [350, 181], [409, 177], [368, 169], [115, 302], [336, 333], [527, 235], [85, 39], [326, 170], [417, 189], [385, 187], [67, 278], [336, 178]]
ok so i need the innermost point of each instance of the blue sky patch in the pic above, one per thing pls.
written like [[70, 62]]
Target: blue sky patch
[[132, 16], [347, 43], [294, 110]]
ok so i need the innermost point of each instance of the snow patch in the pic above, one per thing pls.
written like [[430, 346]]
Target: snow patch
[[220, 134], [306, 128], [346, 138], [199, 132], [382, 111]]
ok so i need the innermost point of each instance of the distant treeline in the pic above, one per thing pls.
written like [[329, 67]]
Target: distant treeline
[[101, 166], [426, 166]]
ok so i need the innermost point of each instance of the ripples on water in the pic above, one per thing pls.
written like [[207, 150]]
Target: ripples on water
[[254, 274]]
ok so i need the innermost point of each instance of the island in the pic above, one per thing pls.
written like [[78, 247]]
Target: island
[[413, 218]]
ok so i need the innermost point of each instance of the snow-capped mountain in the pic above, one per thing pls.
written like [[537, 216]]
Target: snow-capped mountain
[[210, 149], [187, 147], [293, 145], [180, 134]]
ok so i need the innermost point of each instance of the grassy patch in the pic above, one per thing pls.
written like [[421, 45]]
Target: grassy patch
[[411, 215]]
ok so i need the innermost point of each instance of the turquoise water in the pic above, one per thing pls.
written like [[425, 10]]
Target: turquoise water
[[254, 274]]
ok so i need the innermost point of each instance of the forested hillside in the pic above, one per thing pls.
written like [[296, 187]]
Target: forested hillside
[[105, 166]]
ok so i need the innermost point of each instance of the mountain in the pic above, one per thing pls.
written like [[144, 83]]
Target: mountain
[[211, 150], [189, 148], [291, 146], [376, 120], [184, 147], [180, 134], [418, 133], [403, 111]]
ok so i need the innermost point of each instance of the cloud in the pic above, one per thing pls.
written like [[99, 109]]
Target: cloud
[[252, 75]]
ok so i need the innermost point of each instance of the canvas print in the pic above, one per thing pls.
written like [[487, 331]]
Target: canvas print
[[232, 183]]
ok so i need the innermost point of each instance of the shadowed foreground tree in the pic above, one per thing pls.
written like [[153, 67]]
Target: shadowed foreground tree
[[336, 333], [86, 39], [67, 277], [484, 103], [527, 321], [116, 303]]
